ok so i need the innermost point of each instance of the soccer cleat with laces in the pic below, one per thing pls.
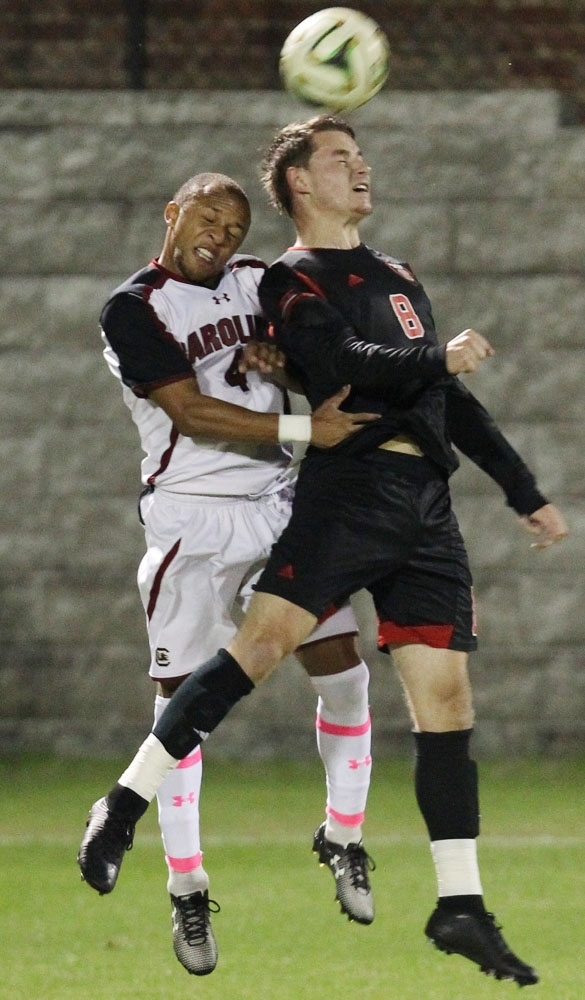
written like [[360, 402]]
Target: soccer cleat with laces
[[106, 840], [477, 937], [350, 866], [193, 938]]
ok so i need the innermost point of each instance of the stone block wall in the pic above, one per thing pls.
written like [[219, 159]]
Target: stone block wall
[[483, 192]]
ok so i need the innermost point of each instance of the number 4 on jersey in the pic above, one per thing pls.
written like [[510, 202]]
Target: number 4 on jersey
[[233, 376], [406, 316]]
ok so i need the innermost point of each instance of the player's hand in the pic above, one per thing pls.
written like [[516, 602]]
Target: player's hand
[[330, 425], [466, 352], [547, 525], [259, 357]]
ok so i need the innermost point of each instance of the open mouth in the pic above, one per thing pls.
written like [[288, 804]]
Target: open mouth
[[204, 254]]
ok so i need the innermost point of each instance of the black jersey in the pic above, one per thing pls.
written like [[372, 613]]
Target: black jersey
[[359, 317]]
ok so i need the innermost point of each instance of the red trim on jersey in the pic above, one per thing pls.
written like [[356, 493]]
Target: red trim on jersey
[[392, 634], [155, 590], [164, 274], [232, 265], [148, 290], [246, 262], [170, 275], [292, 297], [166, 457], [313, 285]]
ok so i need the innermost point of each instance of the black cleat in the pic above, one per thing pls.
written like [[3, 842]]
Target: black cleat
[[350, 866], [477, 937], [102, 850], [193, 938]]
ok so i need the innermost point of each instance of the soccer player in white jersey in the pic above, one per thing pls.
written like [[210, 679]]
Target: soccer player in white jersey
[[217, 493]]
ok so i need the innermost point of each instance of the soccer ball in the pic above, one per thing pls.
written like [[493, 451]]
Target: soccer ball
[[336, 58]]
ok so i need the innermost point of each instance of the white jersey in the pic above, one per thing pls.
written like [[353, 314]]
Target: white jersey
[[159, 328]]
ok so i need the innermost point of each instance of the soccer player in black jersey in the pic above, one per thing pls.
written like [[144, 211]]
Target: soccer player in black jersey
[[374, 512]]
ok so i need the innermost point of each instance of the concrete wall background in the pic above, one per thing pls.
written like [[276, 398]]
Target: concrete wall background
[[484, 193]]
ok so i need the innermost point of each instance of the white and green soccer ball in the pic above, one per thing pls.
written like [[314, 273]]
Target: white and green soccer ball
[[337, 58]]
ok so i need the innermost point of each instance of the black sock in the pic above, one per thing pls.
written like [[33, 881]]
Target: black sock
[[462, 904], [129, 805], [446, 785], [200, 704]]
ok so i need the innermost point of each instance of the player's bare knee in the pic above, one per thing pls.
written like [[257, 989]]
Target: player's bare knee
[[259, 652], [271, 630], [455, 710], [331, 655]]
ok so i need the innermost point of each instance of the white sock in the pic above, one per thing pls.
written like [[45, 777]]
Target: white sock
[[178, 817], [456, 867], [344, 743]]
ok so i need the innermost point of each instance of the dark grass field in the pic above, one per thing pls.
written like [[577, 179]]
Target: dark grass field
[[280, 933]]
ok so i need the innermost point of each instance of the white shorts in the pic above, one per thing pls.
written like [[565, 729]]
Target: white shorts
[[203, 555]]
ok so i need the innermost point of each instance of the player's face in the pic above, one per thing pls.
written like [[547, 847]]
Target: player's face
[[339, 176], [203, 234]]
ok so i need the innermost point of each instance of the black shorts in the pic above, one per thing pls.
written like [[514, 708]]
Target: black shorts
[[382, 522]]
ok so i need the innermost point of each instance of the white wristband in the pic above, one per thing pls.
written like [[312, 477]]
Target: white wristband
[[294, 427]]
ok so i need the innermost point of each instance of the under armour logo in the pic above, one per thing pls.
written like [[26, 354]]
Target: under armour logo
[[221, 298], [286, 572], [355, 764], [162, 657], [353, 280], [184, 800]]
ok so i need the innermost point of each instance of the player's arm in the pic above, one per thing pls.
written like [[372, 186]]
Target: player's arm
[[316, 338], [199, 416], [155, 367], [463, 353], [475, 433]]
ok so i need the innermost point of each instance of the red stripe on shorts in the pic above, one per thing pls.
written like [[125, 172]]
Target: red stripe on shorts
[[158, 578], [437, 636]]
